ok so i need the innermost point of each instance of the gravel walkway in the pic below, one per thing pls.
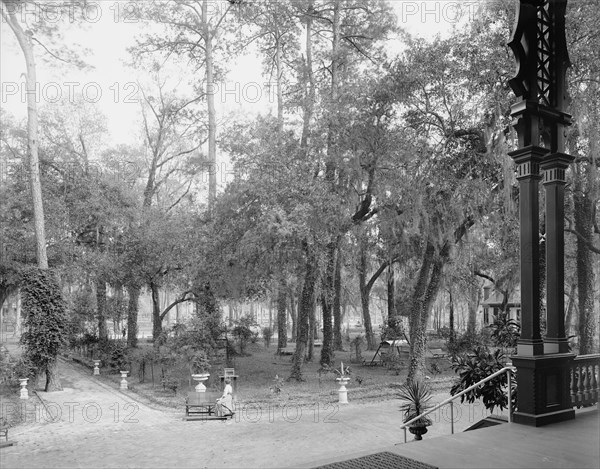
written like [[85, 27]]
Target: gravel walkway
[[92, 425]]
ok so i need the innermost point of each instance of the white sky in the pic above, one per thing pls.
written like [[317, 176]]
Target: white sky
[[108, 33]]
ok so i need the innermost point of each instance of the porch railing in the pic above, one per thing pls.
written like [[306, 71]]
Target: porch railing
[[509, 370], [585, 379]]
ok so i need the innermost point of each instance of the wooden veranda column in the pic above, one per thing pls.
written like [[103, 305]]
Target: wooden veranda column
[[543, 366]]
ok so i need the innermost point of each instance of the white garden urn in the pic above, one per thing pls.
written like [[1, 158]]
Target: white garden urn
[[343, 392], [96, 367], [124, 379], [24, 393], [200, 377]]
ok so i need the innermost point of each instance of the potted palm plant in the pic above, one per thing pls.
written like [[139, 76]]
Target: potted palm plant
[[417, 395]]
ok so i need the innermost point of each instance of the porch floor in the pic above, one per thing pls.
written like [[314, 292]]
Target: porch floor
[[570, 444]]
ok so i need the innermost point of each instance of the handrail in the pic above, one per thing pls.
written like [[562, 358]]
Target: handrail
[[506, 369]]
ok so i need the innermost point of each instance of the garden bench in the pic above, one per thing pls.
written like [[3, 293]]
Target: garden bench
[[437, 353], [4, 429], [203, 406], [4, 433], [289, 350]]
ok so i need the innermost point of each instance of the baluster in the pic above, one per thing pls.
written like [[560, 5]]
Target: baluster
[[586, 384], [573, 386], [594, 384], [580, 388]]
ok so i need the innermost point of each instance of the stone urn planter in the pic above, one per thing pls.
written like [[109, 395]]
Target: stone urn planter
[[24, 393], [342, 391], [124, 379], [417, 395], [418, 430], [200, 377], [343, 379]]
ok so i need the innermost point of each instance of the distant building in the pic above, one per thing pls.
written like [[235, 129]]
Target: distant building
[[491, 305]]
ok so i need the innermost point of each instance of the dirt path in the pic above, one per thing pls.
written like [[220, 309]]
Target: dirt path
[[91, 424]]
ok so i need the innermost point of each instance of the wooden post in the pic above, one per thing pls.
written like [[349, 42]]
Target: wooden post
[[543, 367]]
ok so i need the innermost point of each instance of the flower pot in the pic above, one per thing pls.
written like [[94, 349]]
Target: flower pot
[[343, 392], [124, 379], [418, 431], [200, 377], [24, 394]]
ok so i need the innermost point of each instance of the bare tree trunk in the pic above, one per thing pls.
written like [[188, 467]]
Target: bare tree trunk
[[26, 44], [52, 377], [309, 94], [210, 102]]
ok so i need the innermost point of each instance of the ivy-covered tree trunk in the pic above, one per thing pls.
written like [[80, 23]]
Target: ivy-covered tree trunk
[[417, 335], [45, 323], [101, 309], [364, 298], [293, 317], [281, 315], [327, 306], [307, 302], [337, 303], [156, 319], [451, 317], [312, 331], [432, 267], [132, 315], [585, 273], [473, 304], [391, 297]]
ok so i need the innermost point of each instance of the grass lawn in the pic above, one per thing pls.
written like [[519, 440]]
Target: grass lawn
[[256, 376]]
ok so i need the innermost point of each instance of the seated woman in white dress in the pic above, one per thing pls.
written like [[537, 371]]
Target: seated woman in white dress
[[225, 402]]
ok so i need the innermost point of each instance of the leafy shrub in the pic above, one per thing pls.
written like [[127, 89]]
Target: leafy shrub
[[357, 344], [417, 394], [13, 368], [505, 332], [113, 354], [169, 381], [465, 342], [267, 334], [474, 367], [242, 331]]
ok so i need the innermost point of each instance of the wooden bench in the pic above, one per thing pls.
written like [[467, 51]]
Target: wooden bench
[[203, 406], [4, 433], [4, 430], [289, 350], [437, 353]]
